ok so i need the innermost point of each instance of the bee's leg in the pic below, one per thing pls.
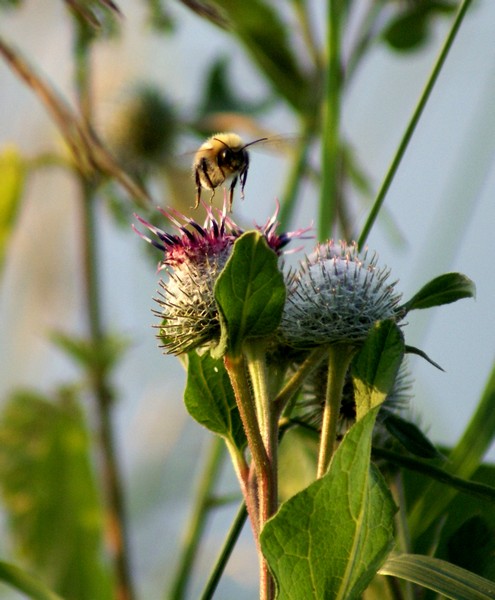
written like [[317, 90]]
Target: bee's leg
[[197, 181], [212, 195], [231, 192], [242, 178], [202, 170]]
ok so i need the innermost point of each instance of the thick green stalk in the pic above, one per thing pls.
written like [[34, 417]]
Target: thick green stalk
[[261, 493], [339, 359], [236, 368], [394, 165], [295, 178], [330, 158], [267, 419]]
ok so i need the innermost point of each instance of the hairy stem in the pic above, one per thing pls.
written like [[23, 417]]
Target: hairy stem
[[339, 358], [263, 478]]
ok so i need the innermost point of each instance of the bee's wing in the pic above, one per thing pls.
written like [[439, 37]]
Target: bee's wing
[[282, 143]]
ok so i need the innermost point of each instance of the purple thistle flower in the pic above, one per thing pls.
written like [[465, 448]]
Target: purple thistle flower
[[193, 259]]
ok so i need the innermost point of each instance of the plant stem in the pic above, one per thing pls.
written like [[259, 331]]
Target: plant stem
[[225, 553], [330, 159], [98, 377], [295, 178], [339, 358], [392, 170], [264, 456], [267, 419], [294, 384], [236, 368], [197, 521]]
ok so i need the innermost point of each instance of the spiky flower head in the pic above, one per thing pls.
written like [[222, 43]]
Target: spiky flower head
[[193, 259], [336, 297]]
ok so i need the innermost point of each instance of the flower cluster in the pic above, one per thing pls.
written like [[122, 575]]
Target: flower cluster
[[335, 296], [193, 259]]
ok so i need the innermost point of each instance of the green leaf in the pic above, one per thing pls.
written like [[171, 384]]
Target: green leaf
[[418, 352], [210, 399], [444, 289], [409, 435], [411, 28], [25, 583], [374, 369], [329, 540], [265, 37], [439, 576], [250, 291], [220, 94], [49, 493], [104, 355], [12, 178], [472, 547]]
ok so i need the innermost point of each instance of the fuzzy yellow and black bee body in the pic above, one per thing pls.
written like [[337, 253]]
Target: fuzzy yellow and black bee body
[[221, 157]]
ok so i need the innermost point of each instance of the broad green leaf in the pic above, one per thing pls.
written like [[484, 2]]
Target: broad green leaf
[[12, 177], [210, 400], [439, 576], [329, 540], [259, 26], [25, 583], [444, 289], [463, 461], [49, 494], [250, 291], [375, 367]]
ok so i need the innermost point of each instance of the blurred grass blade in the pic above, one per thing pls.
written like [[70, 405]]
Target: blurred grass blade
[[83, 9], [206, 11], [12, 177], [430, 84], [25, 583], [88, 152], [264, 35], [49, 494], [463, 461], [440, 576]]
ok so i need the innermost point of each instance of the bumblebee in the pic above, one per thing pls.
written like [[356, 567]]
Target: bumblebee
[[222, 156]]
